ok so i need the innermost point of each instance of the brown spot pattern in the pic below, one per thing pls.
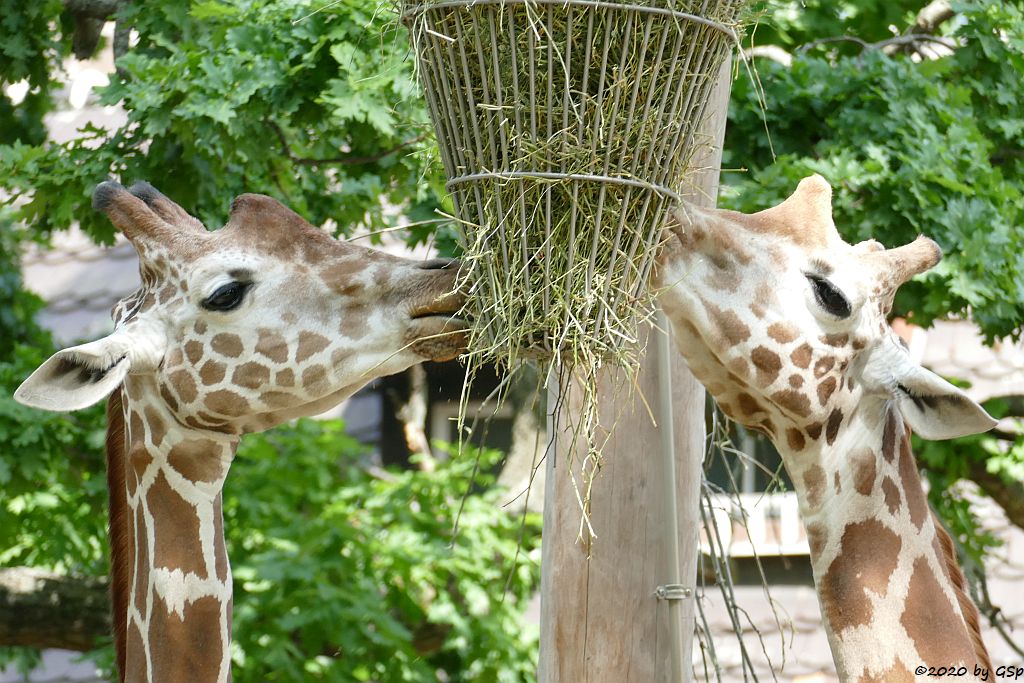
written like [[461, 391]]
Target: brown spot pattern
[[795, 439], [277, 399], [768, 365], [825, 390], [823, 365], [220, 553], [272, 345], [796, 381], [835, 419], [782, 332], [801, 356], [813, 430], [168, 397], [139, 460], [193, 460], [891, 494], [912, 489], [793, 401], [814, 484], [867, 558], [184, 385], [285, 378], [176, 529], [190, 648], [864, 466], [194, 351], [817, 536], [174, 358], [212, 372], [738, 367], [314, 375], [135, 649], [156, 424], [227, 344], [226, 402], [728, 324], [837, 483], [251, 375], [141, 560], [310, 343], [889, 435], [836, 339], [930, 620], [136, 427]]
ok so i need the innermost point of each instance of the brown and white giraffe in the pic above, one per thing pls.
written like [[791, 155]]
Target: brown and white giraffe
[[785, 324], [231, 331]]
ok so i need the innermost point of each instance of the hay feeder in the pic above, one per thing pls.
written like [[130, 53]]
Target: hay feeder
[[566, 129]]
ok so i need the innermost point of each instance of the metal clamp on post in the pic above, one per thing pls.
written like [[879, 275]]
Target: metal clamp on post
[[673, 591]]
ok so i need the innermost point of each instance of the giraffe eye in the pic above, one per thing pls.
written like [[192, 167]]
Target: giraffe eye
[[829, 297], [227, 297]]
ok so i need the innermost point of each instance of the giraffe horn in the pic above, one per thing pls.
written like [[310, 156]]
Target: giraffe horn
[[167, 210], [128, 213], [902, 263]]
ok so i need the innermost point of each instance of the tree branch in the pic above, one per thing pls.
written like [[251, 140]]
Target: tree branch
[[413, 414], [1008, 494], [42, 609], [932, 16], [94, 9], [888, 45], [772, 52], [347, 160]]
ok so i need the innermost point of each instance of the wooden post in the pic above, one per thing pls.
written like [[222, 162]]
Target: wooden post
[[601, 621]]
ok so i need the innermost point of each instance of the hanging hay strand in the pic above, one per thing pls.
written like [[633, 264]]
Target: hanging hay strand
[[566, 129]]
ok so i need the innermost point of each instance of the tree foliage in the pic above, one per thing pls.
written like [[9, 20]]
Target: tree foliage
[[318, 109], [931, 147], [343, 575], [29, 51]]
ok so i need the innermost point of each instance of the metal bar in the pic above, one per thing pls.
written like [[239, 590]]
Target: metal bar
[[542, 175], [410, 14], [672, 576]]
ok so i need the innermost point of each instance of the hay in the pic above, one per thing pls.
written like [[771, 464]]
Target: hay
[[566, 129]]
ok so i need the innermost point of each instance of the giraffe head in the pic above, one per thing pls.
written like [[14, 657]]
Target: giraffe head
[[785, 323], [262, 321]]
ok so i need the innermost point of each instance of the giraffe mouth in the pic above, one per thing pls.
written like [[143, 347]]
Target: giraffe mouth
[[448, 305], [424, 312]]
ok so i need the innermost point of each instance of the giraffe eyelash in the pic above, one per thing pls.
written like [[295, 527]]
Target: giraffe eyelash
[[829, 297], [227, 297]]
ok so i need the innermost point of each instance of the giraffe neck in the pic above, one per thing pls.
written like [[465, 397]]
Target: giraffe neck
[[171, 578], [892, 595]]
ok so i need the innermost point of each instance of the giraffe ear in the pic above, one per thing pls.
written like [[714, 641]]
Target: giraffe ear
[[77, 377], [934, 408]]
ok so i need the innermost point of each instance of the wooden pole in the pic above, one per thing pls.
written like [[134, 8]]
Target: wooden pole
[[601, 618]]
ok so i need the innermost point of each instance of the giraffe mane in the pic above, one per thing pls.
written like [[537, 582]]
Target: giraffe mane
[[120, 579], [972, 618]]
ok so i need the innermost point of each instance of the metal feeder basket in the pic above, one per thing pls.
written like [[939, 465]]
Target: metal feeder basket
[[566, 129]]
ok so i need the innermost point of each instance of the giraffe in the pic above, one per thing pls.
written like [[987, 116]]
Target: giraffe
[[231, 331], [785, 325]]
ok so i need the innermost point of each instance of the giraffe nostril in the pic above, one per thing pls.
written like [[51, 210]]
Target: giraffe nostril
[[438, 264]]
